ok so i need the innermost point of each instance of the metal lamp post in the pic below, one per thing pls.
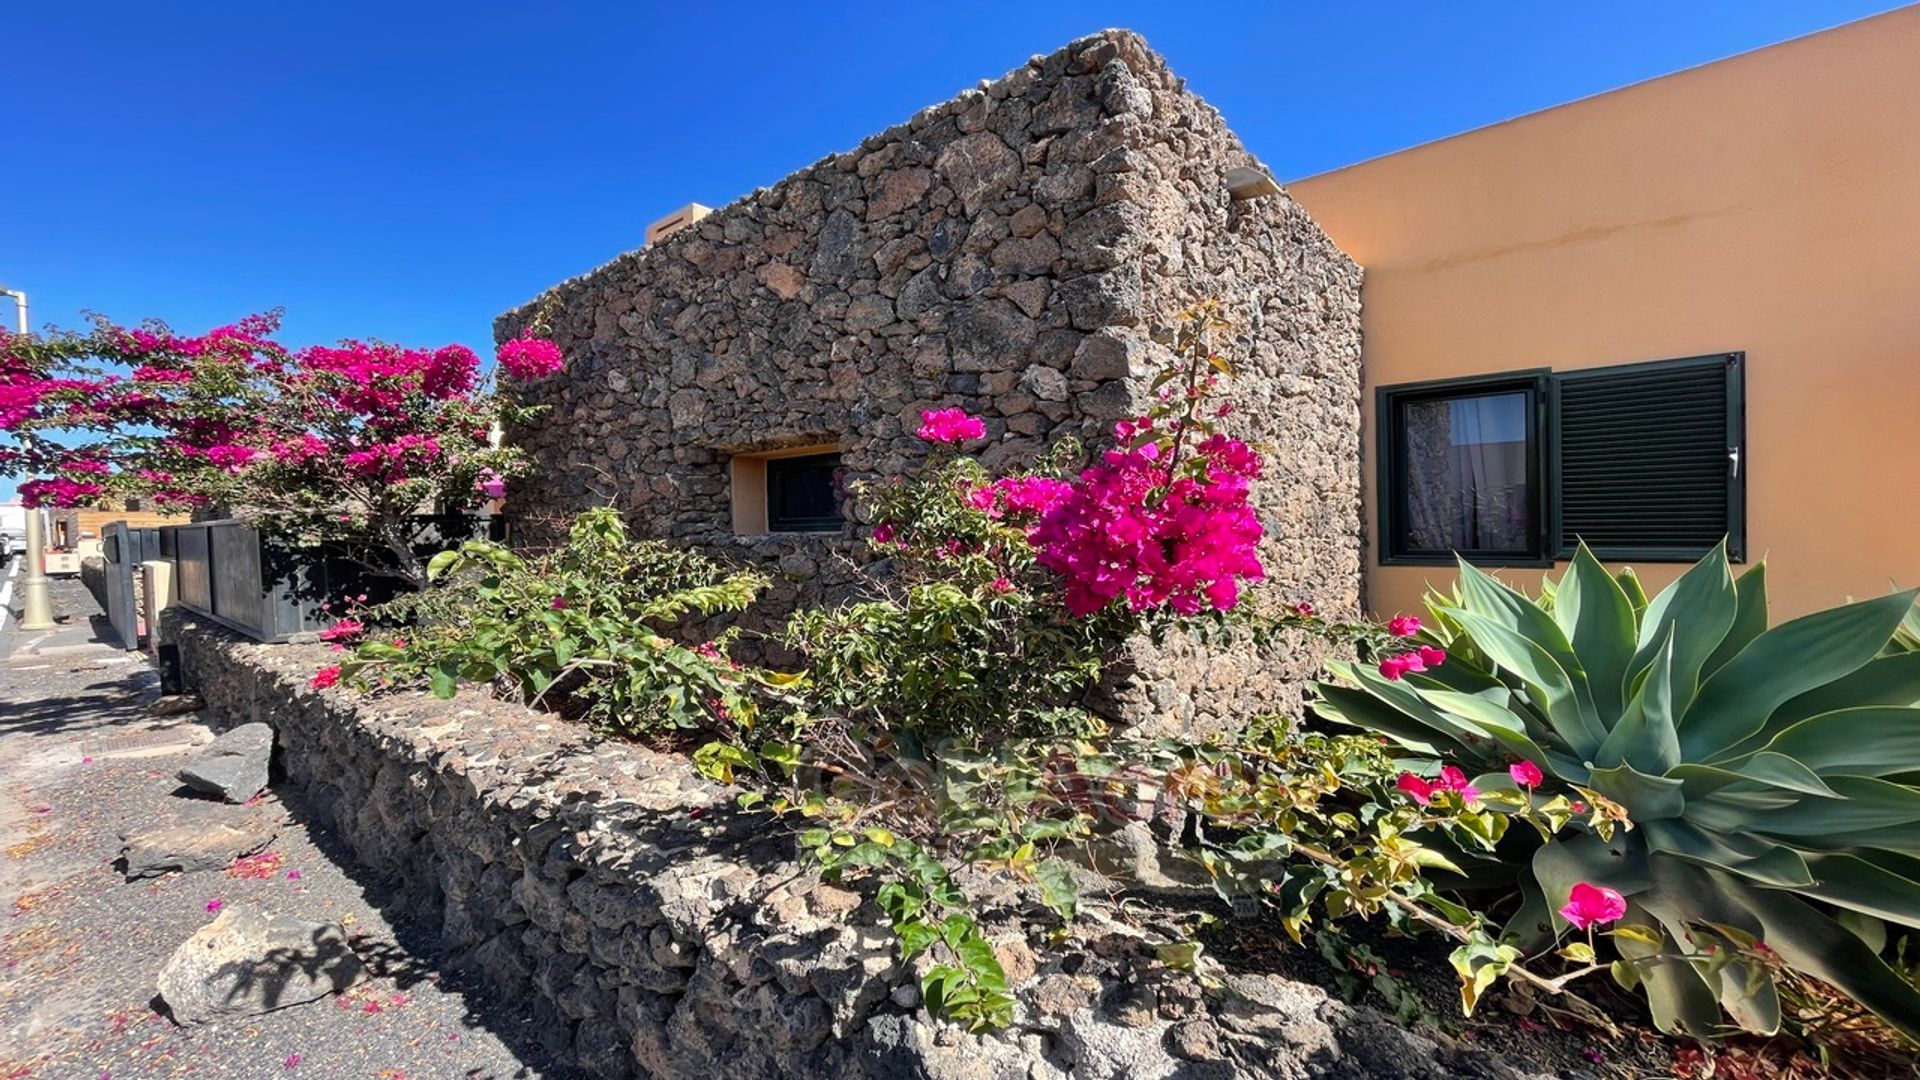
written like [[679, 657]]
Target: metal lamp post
[[36, 610]]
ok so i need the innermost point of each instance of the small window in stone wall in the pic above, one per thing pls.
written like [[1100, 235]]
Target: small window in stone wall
[[787, 491]]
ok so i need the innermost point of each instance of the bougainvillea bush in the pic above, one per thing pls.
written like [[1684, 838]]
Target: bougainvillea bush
[[345, 442], [588, 628], [1759, 786]]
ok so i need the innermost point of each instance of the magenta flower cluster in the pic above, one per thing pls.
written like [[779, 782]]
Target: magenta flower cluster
[[527, 358], [1130, 529], [950, 426]]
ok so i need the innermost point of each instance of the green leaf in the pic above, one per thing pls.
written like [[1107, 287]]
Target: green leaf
[[1749, 620], [1806, 939], [1599, 622], [563, 650], [1486, 596], [1874, 741], [1887, 680], [1680, 999], [1645, 737], [441, 563], [1629, 583], [1058, 889], [1786, 661], [1697, 610], [1861, 804], [1883, 885], [1561, 864], [1759, 859], [1548, 685], [442, 681], [1363, 710], [1647, 798]]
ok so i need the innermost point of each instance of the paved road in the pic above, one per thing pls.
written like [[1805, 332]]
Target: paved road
[[80, 948]]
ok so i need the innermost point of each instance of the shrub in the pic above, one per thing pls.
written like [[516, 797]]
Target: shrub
[[342, 443], [587, 623], [1767, 776]]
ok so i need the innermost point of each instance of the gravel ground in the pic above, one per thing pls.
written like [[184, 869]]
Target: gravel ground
[[80, 947]]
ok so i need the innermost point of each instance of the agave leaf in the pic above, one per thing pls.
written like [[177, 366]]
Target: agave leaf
[[1887, 680], [1489, 597], [1697, 609], [1559, 865], [1885, 886], [1500, 724], [1882, 742], [1362, 710], [1599, 623], [1531, 927], [1645, 737], [1763, 861], [1862, 804], [1766, 768], [1786, 661], [1629, 583], [1803, 936], [1411, 701], [1749, 620], [1647, 798], [1681, 1000], [1548, 685], [1748, 993]]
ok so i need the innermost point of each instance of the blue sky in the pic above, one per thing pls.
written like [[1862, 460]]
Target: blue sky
[[406, 171]]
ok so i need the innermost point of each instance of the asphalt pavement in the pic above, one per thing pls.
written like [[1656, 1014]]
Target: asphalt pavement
[[81, 759]]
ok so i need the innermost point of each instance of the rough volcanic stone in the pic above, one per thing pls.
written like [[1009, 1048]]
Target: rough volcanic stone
[[247, 962], [233, 766], [190, 834], [1081, 197]]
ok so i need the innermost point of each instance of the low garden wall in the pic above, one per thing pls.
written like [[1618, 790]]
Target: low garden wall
[[655, 930]]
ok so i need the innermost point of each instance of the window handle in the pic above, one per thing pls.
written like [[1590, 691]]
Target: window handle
[[1733, 461]]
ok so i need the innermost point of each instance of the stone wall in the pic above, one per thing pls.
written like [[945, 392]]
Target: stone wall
[[656, 931], [1019, 252]]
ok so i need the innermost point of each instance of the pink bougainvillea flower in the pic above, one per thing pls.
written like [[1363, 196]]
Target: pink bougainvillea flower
[[1413, 787], [1431, 657], [529, 358], [950, 426], [1403, 625], [214, 906], [293, 1061], [491, 484], [1303, 609], [1001, 585], [1454, 780], [293, 875], [558, 603], [883, 533], [1395, 667], [343, 630], [1589, 905], [325, 677], [986, 499], [1526, 774]]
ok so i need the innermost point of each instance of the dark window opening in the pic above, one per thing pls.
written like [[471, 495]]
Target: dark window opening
[[1641, 461], [1461, 470], [803, 494]]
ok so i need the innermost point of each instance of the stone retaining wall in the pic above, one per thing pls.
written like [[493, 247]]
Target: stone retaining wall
[[656, 931], [1020, 252]]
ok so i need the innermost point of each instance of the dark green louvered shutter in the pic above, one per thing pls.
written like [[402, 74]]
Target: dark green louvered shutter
[[1650, 459]]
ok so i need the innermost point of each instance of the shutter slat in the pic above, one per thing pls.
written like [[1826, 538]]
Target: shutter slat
[[1643, 456]]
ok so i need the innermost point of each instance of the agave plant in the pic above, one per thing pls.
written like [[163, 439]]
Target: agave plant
[[1771, 776]]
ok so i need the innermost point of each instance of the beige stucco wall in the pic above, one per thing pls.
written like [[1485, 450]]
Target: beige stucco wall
[[1767, 203]]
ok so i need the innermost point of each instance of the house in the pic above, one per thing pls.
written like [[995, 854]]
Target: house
[[1680, 310], [1019, 252]]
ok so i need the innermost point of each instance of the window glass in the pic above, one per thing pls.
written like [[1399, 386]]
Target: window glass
[[1465, 464], [802, 493]]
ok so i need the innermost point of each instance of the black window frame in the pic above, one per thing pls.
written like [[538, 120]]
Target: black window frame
[[1392, 490], [780, 466], [1549, 543]]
